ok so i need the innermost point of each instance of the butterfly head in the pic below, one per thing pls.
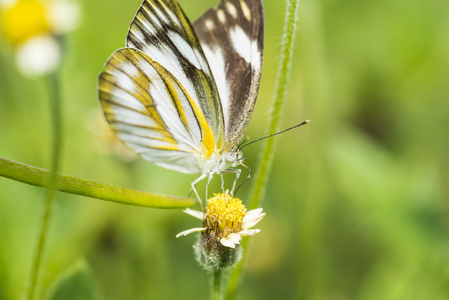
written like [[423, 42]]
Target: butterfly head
[[234, 157]]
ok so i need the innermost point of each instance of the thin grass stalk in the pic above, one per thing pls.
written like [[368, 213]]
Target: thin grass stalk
[[266, 158], [43, 229]]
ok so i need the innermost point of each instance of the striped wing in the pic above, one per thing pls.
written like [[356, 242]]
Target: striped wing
[[162, 31], [231, 36], [151, 112]]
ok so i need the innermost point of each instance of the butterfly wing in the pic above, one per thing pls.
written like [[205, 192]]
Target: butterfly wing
[[162, 31], [231, 36], [152, 112]]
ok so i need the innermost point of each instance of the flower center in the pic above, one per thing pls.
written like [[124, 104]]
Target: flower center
[[224, 214], [23, 20]]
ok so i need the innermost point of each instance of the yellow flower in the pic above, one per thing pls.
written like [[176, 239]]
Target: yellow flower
[[23, 20], [226, 220]]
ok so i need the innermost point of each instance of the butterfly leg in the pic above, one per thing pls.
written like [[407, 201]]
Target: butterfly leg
[[211, 174], [222, 181], [194, 189], [237, 176]]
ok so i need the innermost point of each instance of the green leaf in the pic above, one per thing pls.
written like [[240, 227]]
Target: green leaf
[[77, 283]]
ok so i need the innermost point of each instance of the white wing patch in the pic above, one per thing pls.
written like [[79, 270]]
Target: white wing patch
[[186, 50], [255, 58], [210, 24], [246, 10], [231, 9], [215, 57], [221, 16], [241, 43]]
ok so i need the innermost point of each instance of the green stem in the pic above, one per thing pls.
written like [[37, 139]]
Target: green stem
[[55, 105], [88, 188], [266, 157], [278, 102], [217, 292]]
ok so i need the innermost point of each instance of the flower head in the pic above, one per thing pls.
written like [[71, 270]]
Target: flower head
[[225, 222]]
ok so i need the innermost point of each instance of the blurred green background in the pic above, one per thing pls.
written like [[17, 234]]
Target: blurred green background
[[357, 201]]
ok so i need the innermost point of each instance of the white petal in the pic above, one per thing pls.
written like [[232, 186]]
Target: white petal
[[38, 56], [254, 212], [234, 236], [249, 232], [227, 243], [7, 3], [186, 232], [64, 16], [231, 240], [194, 213], [252, 218]]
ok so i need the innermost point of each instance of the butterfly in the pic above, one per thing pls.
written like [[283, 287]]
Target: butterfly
[[180, 94]]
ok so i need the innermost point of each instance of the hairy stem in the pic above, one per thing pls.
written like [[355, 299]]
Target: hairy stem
[[79, 186]]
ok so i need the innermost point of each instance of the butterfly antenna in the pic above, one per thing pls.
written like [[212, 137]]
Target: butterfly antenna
[[265, 137], [247, 178], [242, 142]]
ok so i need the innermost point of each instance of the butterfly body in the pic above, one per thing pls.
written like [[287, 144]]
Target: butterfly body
[[221, 162], [181, 95]]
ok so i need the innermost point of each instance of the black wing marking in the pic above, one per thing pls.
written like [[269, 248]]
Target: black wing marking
[[231, 36]]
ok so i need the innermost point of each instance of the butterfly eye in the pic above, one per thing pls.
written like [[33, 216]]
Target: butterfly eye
[[231, 156]]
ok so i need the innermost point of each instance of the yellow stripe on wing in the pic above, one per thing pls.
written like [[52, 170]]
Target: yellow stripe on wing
[[172, 84], [141, 84]]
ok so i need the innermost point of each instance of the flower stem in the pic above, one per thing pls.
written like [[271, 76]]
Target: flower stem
[[266, 157], [217, 292], [43, 228]]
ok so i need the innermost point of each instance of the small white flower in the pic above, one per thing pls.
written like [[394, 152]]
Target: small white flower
[[63, 16], [38, 56], [226, 219]]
